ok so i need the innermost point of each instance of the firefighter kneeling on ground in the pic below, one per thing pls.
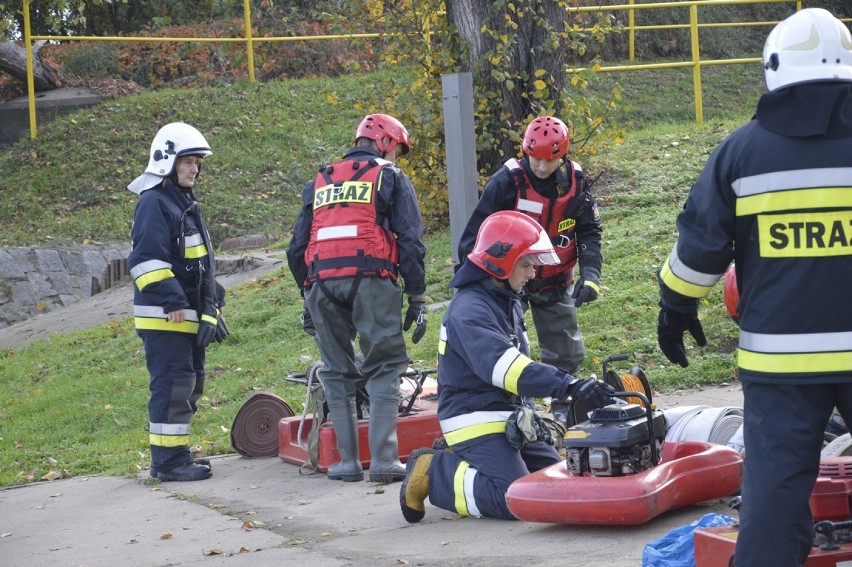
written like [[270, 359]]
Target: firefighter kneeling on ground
[[486, 380]]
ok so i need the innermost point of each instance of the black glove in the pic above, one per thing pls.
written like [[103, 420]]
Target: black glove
[[207, 329], [308, 322], [592, 390], [416, 314], [587, 287], [222, 331], [670, 327]]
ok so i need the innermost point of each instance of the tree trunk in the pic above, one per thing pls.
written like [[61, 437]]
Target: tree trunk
[[13, 61], [530, 26]]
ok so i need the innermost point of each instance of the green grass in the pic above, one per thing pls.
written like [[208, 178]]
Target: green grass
[[77, 403]]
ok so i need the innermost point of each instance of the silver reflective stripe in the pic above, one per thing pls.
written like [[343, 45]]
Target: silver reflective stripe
[[157, 312], [475, 418], [469, 497], [168, 428], [810, 342], [794, 179], [501, 369], [193, 240], [347, 231], [530, 206], [513, 164], [149, 266], [442, 335], [688, 274]]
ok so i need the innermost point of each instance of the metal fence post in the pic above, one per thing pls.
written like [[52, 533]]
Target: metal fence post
[[249, 41], [28, 46], [460, 142], [696, 64]]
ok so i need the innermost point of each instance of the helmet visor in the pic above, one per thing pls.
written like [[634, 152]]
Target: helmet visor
[[541, 252], [548, 258]]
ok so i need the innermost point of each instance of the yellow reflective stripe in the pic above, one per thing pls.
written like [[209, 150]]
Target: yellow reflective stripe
[[442, 340], [208, 318], [156, 276], [458, 488], [193, 252], [507, 370], [795, 363], [442, 347], [168, 440], [799, 199], [152, 324], [594, 286], [474, 431], [682, 286]]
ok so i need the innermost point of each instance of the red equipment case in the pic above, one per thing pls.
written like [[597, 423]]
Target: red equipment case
[[714, 547]]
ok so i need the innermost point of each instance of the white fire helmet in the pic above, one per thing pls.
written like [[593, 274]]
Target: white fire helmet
[[811, 45], [171, 142]]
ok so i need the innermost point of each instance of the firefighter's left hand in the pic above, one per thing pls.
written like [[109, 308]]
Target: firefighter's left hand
[[416, 314], [587, 288], [671, 325]]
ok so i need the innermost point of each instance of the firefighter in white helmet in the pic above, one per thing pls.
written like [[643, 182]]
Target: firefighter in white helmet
[[177, 301], [776, 196]]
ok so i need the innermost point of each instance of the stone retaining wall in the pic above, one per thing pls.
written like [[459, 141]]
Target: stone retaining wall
[[38, 280]]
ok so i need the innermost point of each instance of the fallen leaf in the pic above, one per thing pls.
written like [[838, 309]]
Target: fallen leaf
[[133, 541], [166, 536], [214, 551], [303, 502], [52, 475], [402, 562], [244, 550], [217, 506], [296, 542], [186, 528], [326, 534], [7, 534], [57, 495]]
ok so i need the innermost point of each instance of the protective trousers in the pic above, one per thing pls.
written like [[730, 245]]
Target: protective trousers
[[783, 428], [176, 374], [472, 480], [375, 319], [559, 338]]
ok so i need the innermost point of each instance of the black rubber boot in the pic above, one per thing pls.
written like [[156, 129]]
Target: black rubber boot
[[201, 461], [188, 471]]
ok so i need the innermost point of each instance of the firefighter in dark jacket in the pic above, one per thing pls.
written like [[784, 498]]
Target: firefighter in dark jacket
[[176, 302], [776, 196], [553, 191], [486, 380], [359, 231]]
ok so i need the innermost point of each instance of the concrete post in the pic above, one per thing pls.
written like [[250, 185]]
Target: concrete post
[[459, 138]]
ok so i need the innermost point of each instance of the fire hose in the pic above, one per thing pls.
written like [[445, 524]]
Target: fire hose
[[254, 432], [722, 425]]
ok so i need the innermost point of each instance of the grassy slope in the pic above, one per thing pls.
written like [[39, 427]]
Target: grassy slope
[[77, 402]]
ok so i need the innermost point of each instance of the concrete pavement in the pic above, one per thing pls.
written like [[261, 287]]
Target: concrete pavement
[[263, 512]]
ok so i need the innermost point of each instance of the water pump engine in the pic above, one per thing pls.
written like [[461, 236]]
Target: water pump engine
[[617, 440]]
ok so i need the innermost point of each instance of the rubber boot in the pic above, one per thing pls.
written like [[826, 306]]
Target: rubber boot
[[415, 487], [345, 423], [385, 465]]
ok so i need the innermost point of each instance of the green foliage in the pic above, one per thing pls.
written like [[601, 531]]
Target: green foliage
[[514, 80], [87, 60]]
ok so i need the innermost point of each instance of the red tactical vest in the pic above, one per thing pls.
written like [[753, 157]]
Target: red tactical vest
[[348, 236], [555, 215]]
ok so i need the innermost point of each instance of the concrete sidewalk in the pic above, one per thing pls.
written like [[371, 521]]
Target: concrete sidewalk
[[263, 512]]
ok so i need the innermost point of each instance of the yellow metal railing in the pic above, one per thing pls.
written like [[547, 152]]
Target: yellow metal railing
[[694, 26]]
